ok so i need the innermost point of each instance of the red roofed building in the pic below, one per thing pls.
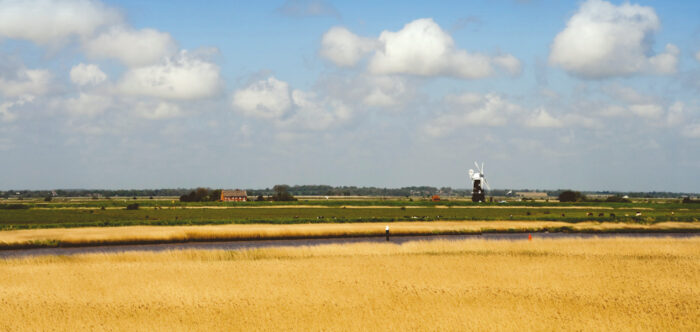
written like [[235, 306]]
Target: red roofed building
[[234, 195]]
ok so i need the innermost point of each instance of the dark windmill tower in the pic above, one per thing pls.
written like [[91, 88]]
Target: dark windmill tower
[[478, 193]]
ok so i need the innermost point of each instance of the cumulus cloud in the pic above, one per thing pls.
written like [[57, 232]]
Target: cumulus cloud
[[180, 77], [647, 110], [157, 111], [132, 47], [345, 48], [422, 48], [603, 40], [312, 112], [629, 102], [542, 119], [274, 100], [52, 21], [692, 130], [509, 63], [676, 114], [6, 115], [471, 109], [25, 82], [266, 99], [385, 91], [87, 104], [87, 74]]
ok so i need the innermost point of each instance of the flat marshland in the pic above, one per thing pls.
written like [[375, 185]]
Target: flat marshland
[[563, 284]]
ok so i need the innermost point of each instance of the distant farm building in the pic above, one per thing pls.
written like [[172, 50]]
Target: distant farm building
[[531, 195], [436, 198], [234, 195]]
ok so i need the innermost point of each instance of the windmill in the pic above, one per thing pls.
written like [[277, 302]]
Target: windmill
[[478, 194]]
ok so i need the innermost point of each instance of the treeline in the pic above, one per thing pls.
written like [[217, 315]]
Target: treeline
[[324, 190], [317, 190], [99, 193]]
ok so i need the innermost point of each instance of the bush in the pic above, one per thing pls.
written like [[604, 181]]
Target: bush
[[134, 206], [47, 198], [282, 194], [202, 195], [571, 196]]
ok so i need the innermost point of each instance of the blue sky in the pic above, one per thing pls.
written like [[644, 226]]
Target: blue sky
[[590, 95]]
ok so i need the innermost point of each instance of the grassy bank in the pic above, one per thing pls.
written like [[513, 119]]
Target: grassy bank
[[282, 214], [92, 236], [594, 284]]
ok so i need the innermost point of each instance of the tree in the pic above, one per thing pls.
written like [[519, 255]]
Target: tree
[[282, 194], [214, 195], [571, 196], [260, 198], [47, 198]]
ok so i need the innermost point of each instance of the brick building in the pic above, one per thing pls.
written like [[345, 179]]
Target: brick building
[[234, 195]]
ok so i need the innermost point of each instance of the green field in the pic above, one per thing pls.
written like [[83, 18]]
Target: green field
[[82, 213]]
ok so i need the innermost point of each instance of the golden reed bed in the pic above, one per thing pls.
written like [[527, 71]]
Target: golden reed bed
[[570, 284], [164, 234]]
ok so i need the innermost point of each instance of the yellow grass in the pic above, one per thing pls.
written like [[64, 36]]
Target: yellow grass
[[132, 234], [591, 285]]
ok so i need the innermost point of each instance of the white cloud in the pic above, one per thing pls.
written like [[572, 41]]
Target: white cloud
[[630, 102], [345, 48], [181, 77], [87, 104], [471, 109], [52, 21], [676, 114], [422, 48], [267, 99], [647, 110], [603, 40], [692, 130], [8, 116], [26, 82], [157, 111], [89, 74], [316, 114], [542, 119], [132, 47], [273, 100], [510, 63], [385, 91]]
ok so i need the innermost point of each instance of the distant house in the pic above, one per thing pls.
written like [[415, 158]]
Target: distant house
[[234, 195]]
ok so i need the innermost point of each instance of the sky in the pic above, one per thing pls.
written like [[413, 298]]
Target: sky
[[587, 95]]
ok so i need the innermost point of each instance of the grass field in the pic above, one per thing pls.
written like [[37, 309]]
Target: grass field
[[593, 285], [89, 213], [86, 236]]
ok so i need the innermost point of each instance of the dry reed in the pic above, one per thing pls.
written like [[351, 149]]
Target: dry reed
[[165, 234], [571, 284]]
